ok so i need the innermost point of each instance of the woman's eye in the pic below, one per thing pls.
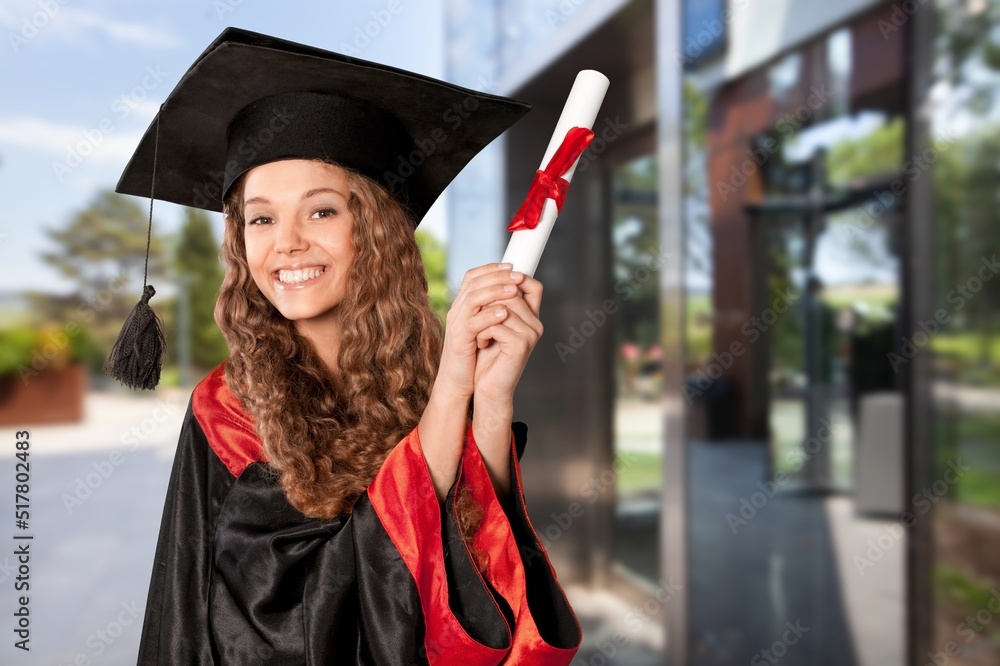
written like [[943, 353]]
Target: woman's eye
[[324, 212], [261, 219]]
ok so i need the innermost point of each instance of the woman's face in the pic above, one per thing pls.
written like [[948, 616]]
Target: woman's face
[[298, 237]]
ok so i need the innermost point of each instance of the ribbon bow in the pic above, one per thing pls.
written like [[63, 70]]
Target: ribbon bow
[[549, 182]]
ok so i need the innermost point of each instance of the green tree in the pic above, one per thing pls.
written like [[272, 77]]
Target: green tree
[[968, 232], [435, 257], [197, 265], [635, 239], [101, 251], [105, 240], [877, 153]]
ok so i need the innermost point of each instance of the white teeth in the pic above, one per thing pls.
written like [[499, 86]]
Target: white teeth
[[291, 277]]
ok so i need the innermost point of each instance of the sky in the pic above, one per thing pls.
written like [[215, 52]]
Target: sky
[[86, 76]]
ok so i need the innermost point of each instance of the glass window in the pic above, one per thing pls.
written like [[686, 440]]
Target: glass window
[[704, 30], [963, 495], [638, 422], [806, 283]]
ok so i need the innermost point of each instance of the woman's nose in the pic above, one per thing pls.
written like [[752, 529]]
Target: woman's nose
[[288, 238]]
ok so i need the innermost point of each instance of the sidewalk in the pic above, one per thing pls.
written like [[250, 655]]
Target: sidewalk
[[95, 497], [612, 634], [111, 420]]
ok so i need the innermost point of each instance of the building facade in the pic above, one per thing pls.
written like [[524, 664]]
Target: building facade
[[766, 407]]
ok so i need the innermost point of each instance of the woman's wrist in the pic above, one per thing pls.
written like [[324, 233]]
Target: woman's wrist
[[494, 414], [442, 436], [446, 396], [491, 428], [446, 390]]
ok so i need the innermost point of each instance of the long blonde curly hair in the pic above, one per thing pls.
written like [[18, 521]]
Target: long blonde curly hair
[[327, 436]]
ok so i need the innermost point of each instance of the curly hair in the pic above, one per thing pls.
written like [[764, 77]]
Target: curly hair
[[327, 436]]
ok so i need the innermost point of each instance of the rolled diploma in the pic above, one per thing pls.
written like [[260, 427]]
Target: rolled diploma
[[525, 246]]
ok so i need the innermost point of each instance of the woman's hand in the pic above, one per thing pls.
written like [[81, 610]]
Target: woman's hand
[[469, 324], [443, 424], [499, 363], [504, 351]]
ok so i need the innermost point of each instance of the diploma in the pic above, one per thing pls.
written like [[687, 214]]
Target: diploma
[[533, 222]]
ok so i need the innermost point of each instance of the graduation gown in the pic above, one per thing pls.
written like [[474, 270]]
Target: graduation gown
[[241, 577]]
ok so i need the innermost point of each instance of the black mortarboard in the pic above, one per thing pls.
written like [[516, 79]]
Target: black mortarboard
[[250, 99]]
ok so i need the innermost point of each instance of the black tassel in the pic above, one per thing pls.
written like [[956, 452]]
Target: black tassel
[[137, 355]]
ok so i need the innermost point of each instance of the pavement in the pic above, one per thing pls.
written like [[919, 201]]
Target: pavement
[[615, 633], [95, 498]]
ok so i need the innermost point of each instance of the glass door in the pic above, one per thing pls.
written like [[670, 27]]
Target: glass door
[[834, 302]]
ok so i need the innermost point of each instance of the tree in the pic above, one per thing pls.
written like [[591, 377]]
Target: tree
[[104, 241], [102, 252], [196, 262], [637, 252], [878, 153], [965, 177], [435, 258]]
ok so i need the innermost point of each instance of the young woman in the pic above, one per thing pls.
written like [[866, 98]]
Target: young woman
[[331, 501]]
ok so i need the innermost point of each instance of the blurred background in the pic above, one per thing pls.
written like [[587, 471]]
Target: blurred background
[[765, 414]]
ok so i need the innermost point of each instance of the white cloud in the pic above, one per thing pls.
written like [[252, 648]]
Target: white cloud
[[57, 139], [122, 31], [28, 18]]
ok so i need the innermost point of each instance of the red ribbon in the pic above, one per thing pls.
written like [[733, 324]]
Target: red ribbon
[[549, 182]]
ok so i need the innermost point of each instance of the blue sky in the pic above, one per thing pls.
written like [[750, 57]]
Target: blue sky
[[95, 72]]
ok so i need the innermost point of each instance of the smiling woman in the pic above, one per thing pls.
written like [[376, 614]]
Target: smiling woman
[[330, 500], [298, 244]]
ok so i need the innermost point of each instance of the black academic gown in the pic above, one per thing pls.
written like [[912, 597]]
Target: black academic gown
[[241, 577]]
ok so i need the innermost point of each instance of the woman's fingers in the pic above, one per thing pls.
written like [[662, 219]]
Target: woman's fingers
[[505, 283], [532, 291], [484, 289], [517, 343], [478, 306], [522, 324], [523, 314], [491, 277], [469, 280], [489, 288], [478, 298], [478, 271], [477, 323]]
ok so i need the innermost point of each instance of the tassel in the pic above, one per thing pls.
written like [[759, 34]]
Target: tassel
[[137, 355]]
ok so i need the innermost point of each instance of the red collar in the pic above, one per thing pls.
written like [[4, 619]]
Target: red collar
[[230, 431]]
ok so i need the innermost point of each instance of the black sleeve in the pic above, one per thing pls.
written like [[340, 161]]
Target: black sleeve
[[523, 581], [547, 602], [422, 600], [175, 627]]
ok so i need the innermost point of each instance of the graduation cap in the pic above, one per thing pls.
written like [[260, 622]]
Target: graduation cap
[[250, 99]]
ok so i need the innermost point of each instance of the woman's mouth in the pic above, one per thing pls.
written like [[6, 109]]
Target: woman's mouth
[[298, 278]]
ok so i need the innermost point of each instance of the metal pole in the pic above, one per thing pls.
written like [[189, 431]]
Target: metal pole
[[674, 541]]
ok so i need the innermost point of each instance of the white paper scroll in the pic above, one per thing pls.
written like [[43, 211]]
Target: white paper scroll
[[525, 246]]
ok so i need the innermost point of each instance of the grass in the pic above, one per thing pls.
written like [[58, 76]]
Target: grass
[[953, 586], [967, 347], [698, 336], [975, 440], [643, 473], [980, 487]]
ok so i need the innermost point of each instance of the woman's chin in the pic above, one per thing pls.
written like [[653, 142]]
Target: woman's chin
[[297, 314], [309, 316]]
